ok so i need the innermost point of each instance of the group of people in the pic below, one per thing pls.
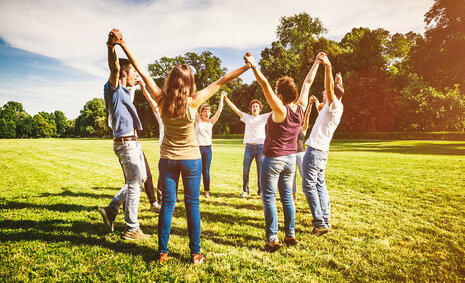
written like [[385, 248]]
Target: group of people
[[186, 140]]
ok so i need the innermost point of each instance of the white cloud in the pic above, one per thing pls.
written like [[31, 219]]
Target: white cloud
[[74, 32]]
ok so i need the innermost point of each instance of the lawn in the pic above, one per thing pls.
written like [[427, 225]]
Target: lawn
[[398, 214]]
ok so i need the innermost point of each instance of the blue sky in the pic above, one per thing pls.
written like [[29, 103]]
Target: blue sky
[[53, 53]]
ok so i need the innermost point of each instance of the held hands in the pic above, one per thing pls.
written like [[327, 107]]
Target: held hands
[[139, 81], [313, 99], [115, 37], [249, 59], [324, 59], [223, 94]]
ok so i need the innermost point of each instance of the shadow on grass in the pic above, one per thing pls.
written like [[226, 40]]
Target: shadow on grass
[[62, 207], [63, 231], [68, 193], [411, 148]]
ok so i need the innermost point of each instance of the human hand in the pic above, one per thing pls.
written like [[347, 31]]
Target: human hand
[[139, 81], [324, 59], [249, 59], [112, 39], [338, 79], [223, 94], [313, 99]]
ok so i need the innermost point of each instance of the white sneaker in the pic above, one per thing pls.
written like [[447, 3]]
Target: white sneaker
[[244, 194], [155, 206]]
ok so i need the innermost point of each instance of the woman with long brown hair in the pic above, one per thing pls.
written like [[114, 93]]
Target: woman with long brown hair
[[179, 152]]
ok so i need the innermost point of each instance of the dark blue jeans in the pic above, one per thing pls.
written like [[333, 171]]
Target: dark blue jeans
[[169, 176], [251, 151], [206, 154]]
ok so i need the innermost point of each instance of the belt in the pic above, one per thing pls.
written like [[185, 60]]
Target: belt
[[123, 139]]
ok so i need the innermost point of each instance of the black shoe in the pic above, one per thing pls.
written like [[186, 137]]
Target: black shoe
[[259, 193], [108, 218], [177, 199], [320, 231]]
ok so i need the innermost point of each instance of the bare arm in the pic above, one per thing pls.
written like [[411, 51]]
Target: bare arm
[[150, 84], [233, 107], [329, 81], [303, 98], [153, 104], [220, 108], [279, 110], [201, 96], [113, 62], [308, 110]]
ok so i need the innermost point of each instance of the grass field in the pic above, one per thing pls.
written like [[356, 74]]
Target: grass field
[[398, 214]]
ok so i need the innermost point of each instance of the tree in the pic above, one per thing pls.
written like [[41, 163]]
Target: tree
[[92, 119], [42, 128], [24, 125], [425, 108], [61, 123], [439, 57]]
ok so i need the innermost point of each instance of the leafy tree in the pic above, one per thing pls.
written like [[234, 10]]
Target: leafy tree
[[61, 123], [439, 57], [92, 119], [425, 108], [24, 125], [42, 127]]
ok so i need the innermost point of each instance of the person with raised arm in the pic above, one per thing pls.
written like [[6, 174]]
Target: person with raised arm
[[125, 123], [179, 153], [316, 156], [254, 137], [301, 144], [203, 133], [280, 147]]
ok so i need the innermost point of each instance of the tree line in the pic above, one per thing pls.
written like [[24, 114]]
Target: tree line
[[393, 82]]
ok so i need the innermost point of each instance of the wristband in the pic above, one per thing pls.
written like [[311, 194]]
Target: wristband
[[109, 45]]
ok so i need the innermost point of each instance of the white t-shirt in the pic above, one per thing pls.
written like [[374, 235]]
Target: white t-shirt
[[203, 133], [325, 125], [161, 127], [254, 127]]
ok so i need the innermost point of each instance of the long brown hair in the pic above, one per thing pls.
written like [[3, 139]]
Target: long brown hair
[[179, 85]]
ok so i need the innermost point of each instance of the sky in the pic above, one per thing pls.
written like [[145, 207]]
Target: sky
[[53, 54]]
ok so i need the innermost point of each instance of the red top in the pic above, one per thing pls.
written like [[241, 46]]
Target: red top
[[281, 138]]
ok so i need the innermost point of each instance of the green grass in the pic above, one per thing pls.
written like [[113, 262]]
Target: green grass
[[398, 214]]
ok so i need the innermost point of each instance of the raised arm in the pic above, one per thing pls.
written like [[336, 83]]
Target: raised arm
[[220, 108], [308, 110], [113, 62], [150, 84], [303, 98], [153, 104], [279, 110], [329, 81], [233, 107], [204, 94]]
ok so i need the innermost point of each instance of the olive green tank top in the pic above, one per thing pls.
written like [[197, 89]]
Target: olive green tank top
[[179, 142]]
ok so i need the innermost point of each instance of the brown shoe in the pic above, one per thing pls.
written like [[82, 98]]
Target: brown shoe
[[207, 194], [163, 257], [320, 231], [272, 246], [198, 259], [290, 241], [136, 235]]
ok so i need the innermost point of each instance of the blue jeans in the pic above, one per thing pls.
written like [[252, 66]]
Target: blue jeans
[[131, 157], [314, 185], [278, 172], [206, 155], [299, 157], [169, 177], [251, 151]]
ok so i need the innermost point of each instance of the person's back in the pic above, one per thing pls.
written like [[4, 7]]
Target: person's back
[[325, 125], [179, 141]]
